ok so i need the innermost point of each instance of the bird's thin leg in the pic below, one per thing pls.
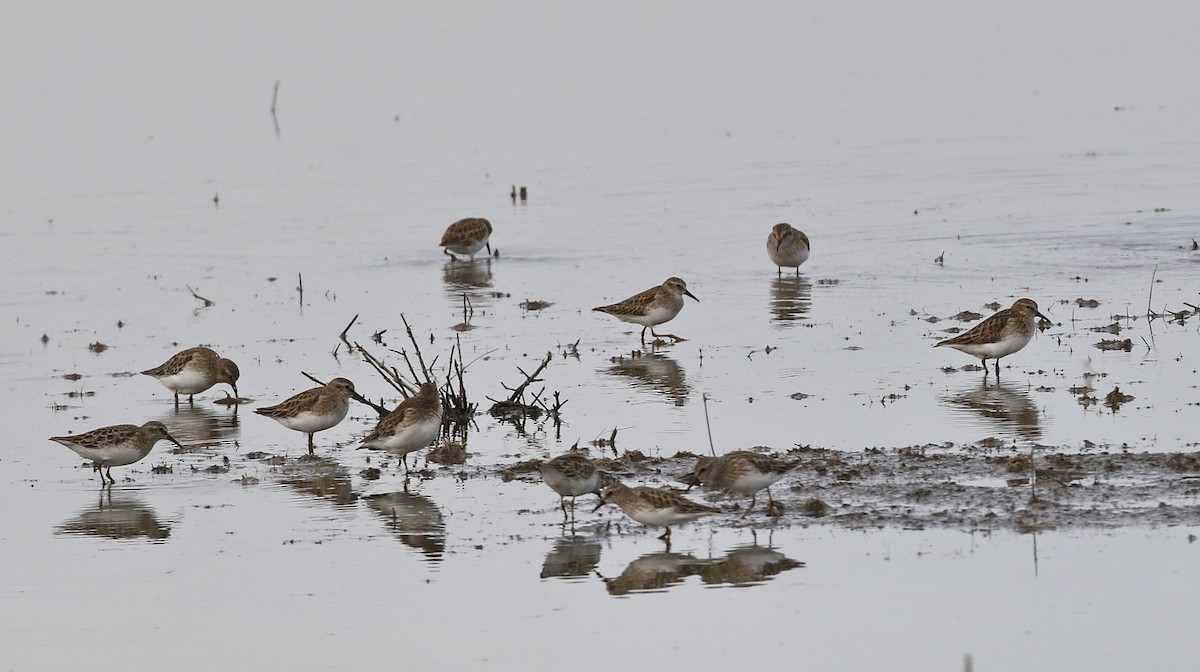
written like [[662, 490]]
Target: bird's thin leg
[[310, 444], [446, 251], [997, 363], [753, 500], [111, 480], [666, 536], [644, 334]]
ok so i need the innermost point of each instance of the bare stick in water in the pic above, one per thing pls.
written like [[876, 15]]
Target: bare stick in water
[[712, 449], [1150, 299], [347, 329], [274, 99], [207, 302]]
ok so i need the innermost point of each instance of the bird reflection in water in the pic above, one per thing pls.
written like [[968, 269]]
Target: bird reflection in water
[[1006, 407], [463, 277], [118, 516], [653, 572], [747, 566], [571, 557], [320, 477], [199, 428], [655, 372], [791, 298], [415, 520], [465, 284]]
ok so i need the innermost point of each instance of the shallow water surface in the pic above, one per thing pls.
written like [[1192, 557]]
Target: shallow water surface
[[145, 170]]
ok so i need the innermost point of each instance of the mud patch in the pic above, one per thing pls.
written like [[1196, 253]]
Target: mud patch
[[946, 486]]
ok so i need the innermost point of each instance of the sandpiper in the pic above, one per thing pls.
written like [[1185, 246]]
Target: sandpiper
[[313, 410], [467, 236], [787, 246], [652, 307], [742, 472], [1002, 334], [193, 371], [656, 507], [116, 446], [572, 474], [411, 426]]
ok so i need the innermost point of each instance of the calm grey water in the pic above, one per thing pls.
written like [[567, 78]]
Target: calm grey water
[[1042, 151]]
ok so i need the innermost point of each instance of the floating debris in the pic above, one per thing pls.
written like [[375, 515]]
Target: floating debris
[[1115, 398], [528, 305], [1113, 344]]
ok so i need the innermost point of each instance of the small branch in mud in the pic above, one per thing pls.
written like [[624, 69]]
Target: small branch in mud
[[207, 302], [460, 413], [610, 442], [391, 376], [529, 378], [570, 349], [515, 408], [347, 329], [711, 447], [417, 348]]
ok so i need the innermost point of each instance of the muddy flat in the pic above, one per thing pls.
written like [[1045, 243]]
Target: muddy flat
[[273, 184]]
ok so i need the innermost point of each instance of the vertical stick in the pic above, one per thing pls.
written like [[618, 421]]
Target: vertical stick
[[1150, 298], [712, 449]]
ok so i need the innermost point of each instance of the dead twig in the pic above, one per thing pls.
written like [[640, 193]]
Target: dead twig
[[529, 378], [207, 302], [390, 375], [460, 413], [409, 331], [275, 99], [515, 407], [347, 329], [711, 448]]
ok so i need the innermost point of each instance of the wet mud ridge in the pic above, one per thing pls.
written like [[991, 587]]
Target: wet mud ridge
[[944, 486]]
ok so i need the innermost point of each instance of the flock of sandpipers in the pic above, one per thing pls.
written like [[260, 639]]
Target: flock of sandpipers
[[417, 421]]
